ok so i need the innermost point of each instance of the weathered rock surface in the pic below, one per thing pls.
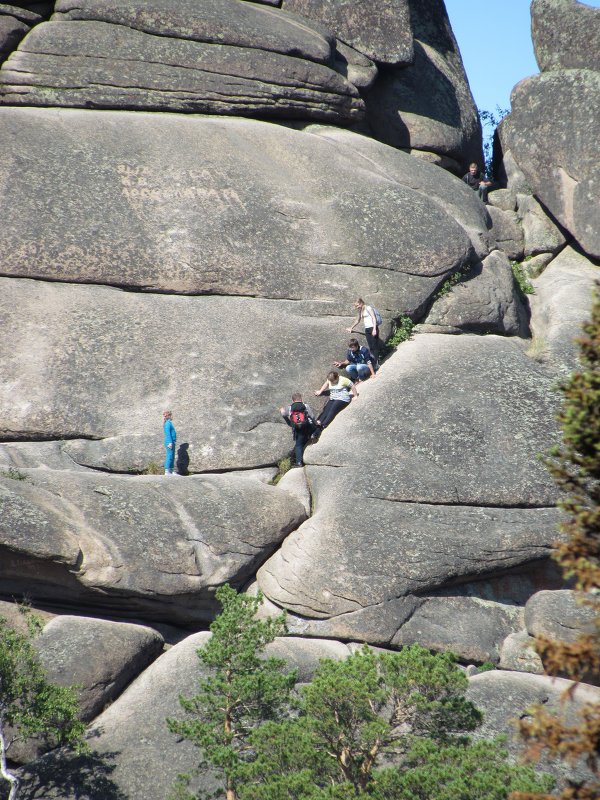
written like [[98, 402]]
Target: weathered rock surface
[[552, 133], [357, 68], [128, 759], [65, 64], [13, 27], [151, 546], [428, 105], [450, 502], [540, 234], [484, 301], [566, 34], [562, 301], [506, 696], [518, 654], [98, 656], [507, 232], [380, 29], [150, 202], [558, 615]]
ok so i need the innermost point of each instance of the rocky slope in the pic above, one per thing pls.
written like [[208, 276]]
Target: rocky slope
[[192, 196]]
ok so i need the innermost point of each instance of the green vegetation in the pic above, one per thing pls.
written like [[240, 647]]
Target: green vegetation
[[521, 278], [575, 466], [403, 326], [391, 726], [538, 349], [29, 704], [152, 469], [283, 465], [15, 474], [447, 285], [240, 689]]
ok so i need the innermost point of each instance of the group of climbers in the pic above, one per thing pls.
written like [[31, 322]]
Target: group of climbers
[[360, 363]]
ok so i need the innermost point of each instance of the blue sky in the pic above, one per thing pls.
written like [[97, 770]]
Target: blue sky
[[494, 37]]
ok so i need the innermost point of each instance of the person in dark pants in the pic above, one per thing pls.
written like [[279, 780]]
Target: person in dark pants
[[341, 391], [368, 316], [299, 416], [359, 362], [477, 181]]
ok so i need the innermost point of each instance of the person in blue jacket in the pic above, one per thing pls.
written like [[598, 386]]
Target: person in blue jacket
[[170, 441], [359, 362]]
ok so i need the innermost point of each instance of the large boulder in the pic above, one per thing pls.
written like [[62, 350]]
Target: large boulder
[[427, 105], [150, 202], [15, 23], [566, 34], [552, 133], [559, 615], [540, 234], [561, 302], [133, 755], [93, 64], [380, 29], [152, 546], [453, 499]]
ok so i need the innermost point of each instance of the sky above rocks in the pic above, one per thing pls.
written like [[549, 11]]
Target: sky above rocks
[[494, 37]]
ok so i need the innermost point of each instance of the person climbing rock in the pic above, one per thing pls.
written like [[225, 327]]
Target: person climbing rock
[[170, 441], [341, 391], [301, 419], [371, 319], [359, 362]]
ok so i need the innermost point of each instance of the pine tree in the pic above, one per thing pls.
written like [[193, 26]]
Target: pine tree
[[241, 690], [575, 466], [29, 704]]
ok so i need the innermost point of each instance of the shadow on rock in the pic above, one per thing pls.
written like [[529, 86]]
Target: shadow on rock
[[183, 458], [61, 775]]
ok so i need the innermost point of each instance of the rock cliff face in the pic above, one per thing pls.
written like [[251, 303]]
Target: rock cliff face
[[192, 197]]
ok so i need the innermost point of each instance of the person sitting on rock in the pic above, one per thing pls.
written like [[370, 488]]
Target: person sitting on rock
[[170, 441], [359, 362], [341, 391], [370, 317], [301, 419], [477, 181]]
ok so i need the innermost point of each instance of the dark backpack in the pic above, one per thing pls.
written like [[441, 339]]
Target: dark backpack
[[299, 416]]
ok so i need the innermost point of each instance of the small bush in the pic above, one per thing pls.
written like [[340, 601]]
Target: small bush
[[15, 474], [538, 349], [522, 280], [447, 285], [152, 469], [402, 331], [283, 465]]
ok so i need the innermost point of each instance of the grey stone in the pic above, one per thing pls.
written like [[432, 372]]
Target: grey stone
[[508, 171], [380, 29], [133, 755], [428, 105], [484, 301], [508, 232], [540, 234], [157, 208], [12, 30], [563, 169], [504, 199], [32, 455], [220, 21], [533, 266], [151, 546], [457, 199], [296, 484], [506, 697], [65, 64], [22, 14], [15, 619], [470, 627], [445, 162], [558, 615], [566, 34], [452, 477], [518, 654], [561, 303], [358, 69]]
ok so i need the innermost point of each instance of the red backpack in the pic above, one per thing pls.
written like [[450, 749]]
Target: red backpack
[[298, 416]]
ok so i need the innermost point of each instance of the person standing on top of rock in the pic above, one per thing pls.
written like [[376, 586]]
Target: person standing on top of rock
[[301, 419], [359, 362], [170, 441], [477, 181], [372, 320], [341, 391]]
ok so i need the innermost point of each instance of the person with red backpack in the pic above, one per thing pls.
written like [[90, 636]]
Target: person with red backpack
[[299, 416]]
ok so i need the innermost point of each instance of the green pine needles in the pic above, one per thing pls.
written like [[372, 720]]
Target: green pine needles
[[391, 726], [29, 704]]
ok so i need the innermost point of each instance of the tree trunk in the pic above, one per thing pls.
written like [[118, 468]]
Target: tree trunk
[[8, 776]]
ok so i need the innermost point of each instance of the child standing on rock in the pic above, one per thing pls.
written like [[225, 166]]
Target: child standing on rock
[[170, 441]]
